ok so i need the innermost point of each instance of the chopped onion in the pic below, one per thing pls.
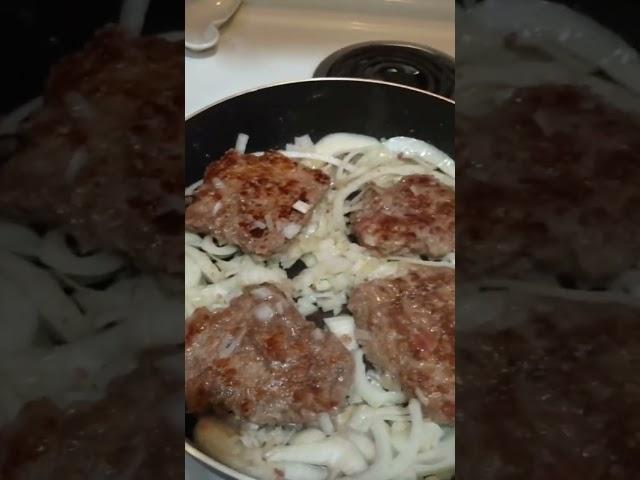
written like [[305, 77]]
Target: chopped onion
[[301, 206], [301, 144], [322, 158], [290, 230], [241, 143], [133, 14], [264, 312], [77, 161], [343, 327], [325, 423], [261, 293]]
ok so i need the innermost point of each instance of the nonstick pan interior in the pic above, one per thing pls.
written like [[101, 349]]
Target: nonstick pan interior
[[273, 116]]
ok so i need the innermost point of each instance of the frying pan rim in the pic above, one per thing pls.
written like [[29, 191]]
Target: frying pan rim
[[190, 448], [213, 464], [314, 80]]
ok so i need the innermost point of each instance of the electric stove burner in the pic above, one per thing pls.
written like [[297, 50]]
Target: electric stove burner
[[407, 64]]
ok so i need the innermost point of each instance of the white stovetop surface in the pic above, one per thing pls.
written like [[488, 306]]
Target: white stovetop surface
[[270, 41]]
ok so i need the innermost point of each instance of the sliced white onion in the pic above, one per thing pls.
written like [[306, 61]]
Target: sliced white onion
[[190, 190], [373, 395], [422, 151], [47, 295], [204, 263], [152, 319], [301, 471], [309, 435], [336, 453], [105, 306], [384, 452], [77, 371], [192, 273], [364, 444], [391, 469], [19, 317], [548, 23], [192, 239], [56, 254], [338, 143], [19, 239]]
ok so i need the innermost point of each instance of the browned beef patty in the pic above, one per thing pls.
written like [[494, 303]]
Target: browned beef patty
[[130, 433], [548, 182], [248, 200], [262, 361], [415, 216], [411, 325], [550, 391], [104, 156]]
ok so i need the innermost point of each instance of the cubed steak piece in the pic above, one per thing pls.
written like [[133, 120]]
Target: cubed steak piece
[[262, 361], [414, 216], [410, 322], [258, 203]]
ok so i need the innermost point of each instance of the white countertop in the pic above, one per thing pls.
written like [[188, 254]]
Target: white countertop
[[270, 41]]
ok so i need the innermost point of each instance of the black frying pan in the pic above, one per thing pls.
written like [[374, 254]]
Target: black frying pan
[[273, 116]]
